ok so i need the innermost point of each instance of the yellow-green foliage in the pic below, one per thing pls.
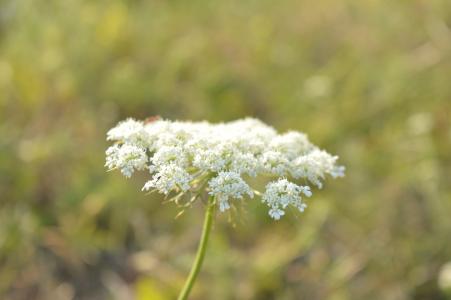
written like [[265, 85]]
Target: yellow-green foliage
[[368, 80]]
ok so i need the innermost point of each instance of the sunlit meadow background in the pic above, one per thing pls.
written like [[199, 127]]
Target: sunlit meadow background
[[367, 80]]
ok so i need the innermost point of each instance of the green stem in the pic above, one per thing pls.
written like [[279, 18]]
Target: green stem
[[208, 221]]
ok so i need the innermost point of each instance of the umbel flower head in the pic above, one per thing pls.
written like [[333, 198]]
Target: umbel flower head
[[192, 157]]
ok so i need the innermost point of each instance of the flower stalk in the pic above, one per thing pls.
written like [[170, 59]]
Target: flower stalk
[[197, 264]]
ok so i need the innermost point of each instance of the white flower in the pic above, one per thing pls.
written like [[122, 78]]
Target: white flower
[[228, 185], [170, 154], [186, 156], [244, 163], [127, 158], [338, 171], [276, 213], [212, 158], [274, 163], [292, 144], [169, 177], [129, 131], [282, 193], [315, 165]]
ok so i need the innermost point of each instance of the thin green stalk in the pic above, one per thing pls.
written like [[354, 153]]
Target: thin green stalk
[[208, 221]]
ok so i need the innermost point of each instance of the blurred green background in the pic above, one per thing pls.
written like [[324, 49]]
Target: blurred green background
[[367, 80]]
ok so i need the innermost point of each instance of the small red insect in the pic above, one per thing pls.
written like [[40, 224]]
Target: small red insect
[[152, 119]]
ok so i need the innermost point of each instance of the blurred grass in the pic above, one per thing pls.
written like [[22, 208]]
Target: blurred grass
[[369, 80]]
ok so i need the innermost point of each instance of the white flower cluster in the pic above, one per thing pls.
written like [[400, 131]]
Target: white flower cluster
[[281, 193], [183, 156], [228, 185]]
